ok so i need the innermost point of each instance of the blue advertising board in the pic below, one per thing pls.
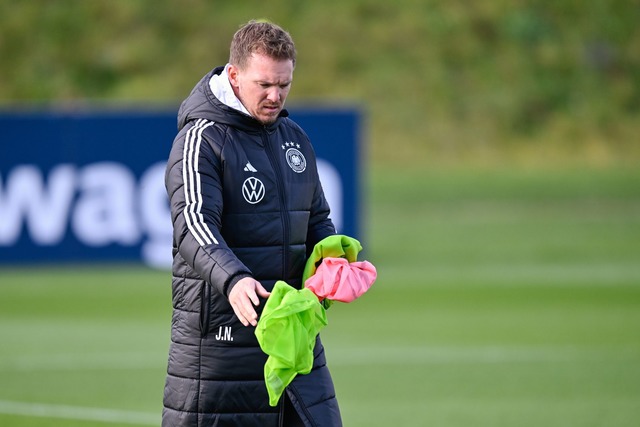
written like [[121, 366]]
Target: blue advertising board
[[88, 186]]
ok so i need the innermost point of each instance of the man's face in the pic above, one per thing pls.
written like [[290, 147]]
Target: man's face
[[262, 86]]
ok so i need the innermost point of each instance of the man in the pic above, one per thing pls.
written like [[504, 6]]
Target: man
[[247, 209]]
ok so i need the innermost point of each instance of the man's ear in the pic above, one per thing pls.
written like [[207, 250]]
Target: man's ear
[[232, 71]]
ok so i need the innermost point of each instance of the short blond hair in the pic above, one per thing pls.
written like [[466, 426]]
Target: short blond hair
[[261, 37]]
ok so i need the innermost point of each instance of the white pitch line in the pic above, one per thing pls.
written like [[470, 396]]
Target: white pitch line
[[83, 362], [45, 410], [427, 355]]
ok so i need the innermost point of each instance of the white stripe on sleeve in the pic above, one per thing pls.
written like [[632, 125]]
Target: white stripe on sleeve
[[192, 188]]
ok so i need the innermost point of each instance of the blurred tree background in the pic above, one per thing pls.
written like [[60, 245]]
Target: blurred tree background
[[443, 83]]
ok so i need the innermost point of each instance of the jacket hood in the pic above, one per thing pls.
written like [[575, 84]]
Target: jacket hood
[[203, 104]]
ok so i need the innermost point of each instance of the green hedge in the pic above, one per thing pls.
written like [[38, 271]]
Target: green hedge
[[445, 82]]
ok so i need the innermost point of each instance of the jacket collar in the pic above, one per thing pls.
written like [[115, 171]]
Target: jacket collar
[[221, 89]]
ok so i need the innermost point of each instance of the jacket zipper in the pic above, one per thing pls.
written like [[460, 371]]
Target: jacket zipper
[[283, 206], [290, 389], [281, 417]]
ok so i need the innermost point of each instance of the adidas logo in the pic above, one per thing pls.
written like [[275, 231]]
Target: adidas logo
[[249, 168]]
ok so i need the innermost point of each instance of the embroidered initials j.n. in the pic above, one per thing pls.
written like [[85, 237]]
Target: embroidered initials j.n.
[[224, 334]]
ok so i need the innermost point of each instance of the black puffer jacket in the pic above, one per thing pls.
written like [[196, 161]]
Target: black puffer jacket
[[245, 201]]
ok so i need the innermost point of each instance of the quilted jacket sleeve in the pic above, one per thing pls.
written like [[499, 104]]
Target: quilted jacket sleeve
[[195, 193]]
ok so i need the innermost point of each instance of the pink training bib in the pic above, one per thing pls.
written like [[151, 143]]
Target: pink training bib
[[339, 280]]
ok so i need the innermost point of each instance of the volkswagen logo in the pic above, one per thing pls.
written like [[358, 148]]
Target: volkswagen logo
[[253, 190]]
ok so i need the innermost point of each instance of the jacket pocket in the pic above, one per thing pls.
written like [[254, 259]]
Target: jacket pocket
[[205, 309]]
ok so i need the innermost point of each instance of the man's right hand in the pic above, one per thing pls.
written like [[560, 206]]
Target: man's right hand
[[244, 297]]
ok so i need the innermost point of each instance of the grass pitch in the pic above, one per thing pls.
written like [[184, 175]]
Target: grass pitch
[[503, 299]]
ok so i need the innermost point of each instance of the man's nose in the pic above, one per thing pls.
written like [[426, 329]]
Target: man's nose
[[273, 94]]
